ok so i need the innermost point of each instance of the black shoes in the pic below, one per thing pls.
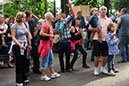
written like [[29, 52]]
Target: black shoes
[[121, 61], [68, 70], [61, 71], [37, 71], [85, 66], [92, 60], [72, 69]]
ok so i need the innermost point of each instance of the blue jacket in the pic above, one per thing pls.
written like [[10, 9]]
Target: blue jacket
[[82, 23], [112, 44]]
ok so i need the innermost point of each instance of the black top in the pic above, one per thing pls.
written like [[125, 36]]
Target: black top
[[73, 37], [9, 39]]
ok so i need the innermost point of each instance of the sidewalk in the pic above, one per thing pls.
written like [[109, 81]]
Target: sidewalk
[[79, 77]]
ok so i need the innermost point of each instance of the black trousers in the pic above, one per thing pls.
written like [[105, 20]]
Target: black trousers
[[64, 47], [20, 64], [35, 55], [76, 53]]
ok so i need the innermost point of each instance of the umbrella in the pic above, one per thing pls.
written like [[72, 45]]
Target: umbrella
[[2, 2]]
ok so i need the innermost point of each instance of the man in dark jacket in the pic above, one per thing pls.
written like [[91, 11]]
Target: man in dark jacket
[[31, 24]]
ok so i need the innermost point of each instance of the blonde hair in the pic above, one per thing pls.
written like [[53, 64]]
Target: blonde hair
[[93, 9], [48, 15], [11, 19], [19, 16]]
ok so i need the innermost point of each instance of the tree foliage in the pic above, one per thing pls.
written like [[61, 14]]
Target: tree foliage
[[37, 7], [92, 3], [112, 4], [119, 4]]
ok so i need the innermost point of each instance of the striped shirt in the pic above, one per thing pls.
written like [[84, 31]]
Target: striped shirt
[[63, 29]]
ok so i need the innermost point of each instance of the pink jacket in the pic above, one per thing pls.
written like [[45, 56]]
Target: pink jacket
[[73, 43], [46, 46]]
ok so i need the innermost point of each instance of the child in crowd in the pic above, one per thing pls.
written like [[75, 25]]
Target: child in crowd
[[112, 49], [94, 22], [3, 29]]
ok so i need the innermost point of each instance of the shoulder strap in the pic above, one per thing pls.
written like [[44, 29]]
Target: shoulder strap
[[48, 30], [25, 25]]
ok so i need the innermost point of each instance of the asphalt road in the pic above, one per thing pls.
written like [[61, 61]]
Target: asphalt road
[[79, 77]]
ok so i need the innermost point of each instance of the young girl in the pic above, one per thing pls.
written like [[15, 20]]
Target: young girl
[[3, 29], [112, 49]]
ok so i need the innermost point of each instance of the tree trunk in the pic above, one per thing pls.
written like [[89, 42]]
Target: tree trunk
[[19, 5], [54, 8], [64, 8], [107, 4], [3, 9], [27, 3], [45, 4]]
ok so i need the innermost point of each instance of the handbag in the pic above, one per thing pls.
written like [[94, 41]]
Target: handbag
[[45, 38]]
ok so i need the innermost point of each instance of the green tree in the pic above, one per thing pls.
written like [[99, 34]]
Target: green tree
[[37, 7], [119, 4], [92, 3]]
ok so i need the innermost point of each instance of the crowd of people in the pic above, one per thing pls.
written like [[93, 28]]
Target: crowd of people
[[30, 37]]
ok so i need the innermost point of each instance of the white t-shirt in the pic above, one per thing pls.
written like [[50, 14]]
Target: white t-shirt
[[29, 28], [3, 27], [42, 20]]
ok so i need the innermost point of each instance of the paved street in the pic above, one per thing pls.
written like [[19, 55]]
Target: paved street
[[80, 77]]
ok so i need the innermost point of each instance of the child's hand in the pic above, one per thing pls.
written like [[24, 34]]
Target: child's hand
[[112, 35], [98, 29], [117, 41]]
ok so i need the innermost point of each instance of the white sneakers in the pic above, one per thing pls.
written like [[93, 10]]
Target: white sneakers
[[102, 70], [45, 78], [19, 84], [96, 72], [26, 81], [53, 76], [111, 73]]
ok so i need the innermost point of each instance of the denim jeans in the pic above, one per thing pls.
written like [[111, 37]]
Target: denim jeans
[[110, 63], [86, 43], [76, 52], [64, 47], [124, 47], [48, 59]]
